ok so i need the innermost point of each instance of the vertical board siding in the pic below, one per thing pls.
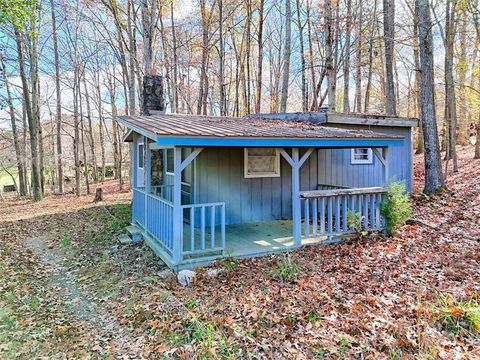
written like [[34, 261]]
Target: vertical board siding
[[334, 165], [221, 179]]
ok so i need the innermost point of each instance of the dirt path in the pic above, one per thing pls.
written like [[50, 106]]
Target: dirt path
[[113, 338]]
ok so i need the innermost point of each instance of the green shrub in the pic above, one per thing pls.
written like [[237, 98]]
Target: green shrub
[[396, 208], [354, 220], [109, 170]]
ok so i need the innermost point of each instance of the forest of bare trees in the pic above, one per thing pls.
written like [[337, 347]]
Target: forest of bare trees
[[69, 68]]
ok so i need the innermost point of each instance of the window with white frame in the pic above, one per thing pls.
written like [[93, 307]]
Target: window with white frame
[[141, 155], [362, 156], [262, 162]]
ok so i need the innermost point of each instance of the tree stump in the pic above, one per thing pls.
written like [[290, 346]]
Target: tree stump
[[98, 195]]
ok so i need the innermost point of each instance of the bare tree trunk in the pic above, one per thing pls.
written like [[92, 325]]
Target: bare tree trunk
[[389, 36], [462, 66], [149, 16], [477, 30], [247, 57], [418, 82], [116, 155], [203, 87], [450, 100], [175, 62], [16, 142], [221, 51], [131, 50], [32, 122], [76, 124], [101, 124], [302, 59], [82, 132], [331, 81], [58, 114], [358, 56], [258, 98], [433, 164], [370, 57], [91, 140], [286, 56], [311, 57], [24, 146], [346, 64]]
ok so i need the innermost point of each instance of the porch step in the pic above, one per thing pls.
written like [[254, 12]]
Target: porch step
[[135, 233], [125, 239]]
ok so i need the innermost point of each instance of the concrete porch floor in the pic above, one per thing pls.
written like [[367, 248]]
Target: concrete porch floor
[[255, 239]]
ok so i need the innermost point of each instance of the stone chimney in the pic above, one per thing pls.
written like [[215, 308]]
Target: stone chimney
[[153, 101]]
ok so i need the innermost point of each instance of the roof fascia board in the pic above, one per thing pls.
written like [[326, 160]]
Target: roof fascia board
[[149, 134], [352, 119], [282, 142]]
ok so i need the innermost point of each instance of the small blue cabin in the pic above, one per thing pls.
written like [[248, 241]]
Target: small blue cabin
[[209, 187]]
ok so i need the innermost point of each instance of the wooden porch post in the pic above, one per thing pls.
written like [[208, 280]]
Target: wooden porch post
[[147, 174], [386, 169], [296, 163], [296, 204], [177, 203], [147, 167], [178, 167]]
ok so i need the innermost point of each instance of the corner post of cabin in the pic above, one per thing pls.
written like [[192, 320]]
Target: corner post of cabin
[[177, 206], [133, 166], [296, 203], [385, 165]]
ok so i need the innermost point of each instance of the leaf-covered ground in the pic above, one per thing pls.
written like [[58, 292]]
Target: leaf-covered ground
[[69, 290]]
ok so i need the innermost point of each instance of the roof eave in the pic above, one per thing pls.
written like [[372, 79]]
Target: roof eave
[[137, 129], [278, 142]]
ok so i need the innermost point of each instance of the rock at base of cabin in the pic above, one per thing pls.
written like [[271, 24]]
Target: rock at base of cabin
[[185, 277]]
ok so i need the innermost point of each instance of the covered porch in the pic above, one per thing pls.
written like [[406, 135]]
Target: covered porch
[[185, 231], [318, 216]]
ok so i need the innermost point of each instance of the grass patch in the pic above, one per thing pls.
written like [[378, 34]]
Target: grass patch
[[286, 271], [229, 264], [457, 317], [207, 340]]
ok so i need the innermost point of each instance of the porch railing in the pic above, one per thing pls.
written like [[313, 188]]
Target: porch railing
[[155, 216], [204, 231], [326, 212]]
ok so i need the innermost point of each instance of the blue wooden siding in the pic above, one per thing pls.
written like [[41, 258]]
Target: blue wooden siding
[[334, 166], [220, 177]]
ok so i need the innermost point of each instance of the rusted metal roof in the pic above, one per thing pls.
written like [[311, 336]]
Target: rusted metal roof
[[176, 125]]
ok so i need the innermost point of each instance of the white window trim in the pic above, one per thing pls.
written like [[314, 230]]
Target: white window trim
[[354, 161], [261, 175], [138, 155]]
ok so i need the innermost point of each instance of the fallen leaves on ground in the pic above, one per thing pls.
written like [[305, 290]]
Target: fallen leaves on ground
[[369, 298]]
